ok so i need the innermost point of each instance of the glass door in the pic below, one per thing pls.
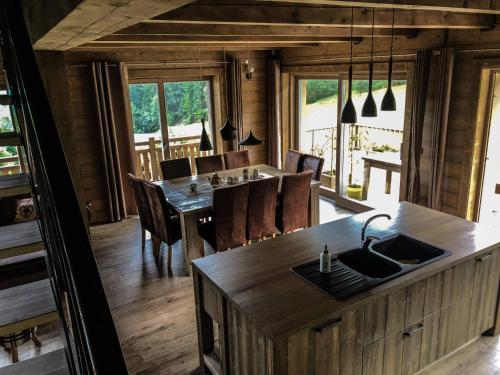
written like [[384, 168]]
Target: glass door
[[490, 192], [370, 150], [186, 103], [318, 104]]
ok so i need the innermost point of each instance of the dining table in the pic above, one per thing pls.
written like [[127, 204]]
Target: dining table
[[194, 205]]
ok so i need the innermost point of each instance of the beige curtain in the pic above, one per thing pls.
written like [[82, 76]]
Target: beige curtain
[[418, 104], [114, 136], [443, 61], [274, 111], [235, 100]]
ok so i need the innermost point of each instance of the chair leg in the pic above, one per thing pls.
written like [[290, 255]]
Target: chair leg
[[143, 239], [14, 354], [156, 247], [169, 257], [35, 338]]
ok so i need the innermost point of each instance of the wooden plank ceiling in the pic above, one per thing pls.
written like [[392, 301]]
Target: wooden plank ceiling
[[262, 24]]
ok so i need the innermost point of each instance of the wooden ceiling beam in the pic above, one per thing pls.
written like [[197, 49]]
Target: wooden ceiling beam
[[87, 20], [293, 15], [459, 6], [112, 46], [194, 39], [145, 28]]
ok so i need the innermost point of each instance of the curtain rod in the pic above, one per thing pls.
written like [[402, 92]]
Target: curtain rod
[[194, 62], [367, 58]]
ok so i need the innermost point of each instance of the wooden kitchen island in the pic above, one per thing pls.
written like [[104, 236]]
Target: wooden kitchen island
[[255, 316]]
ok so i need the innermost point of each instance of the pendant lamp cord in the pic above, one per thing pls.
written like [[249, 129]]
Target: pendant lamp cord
[[392, 33], [373, 28], [202, 97], [352, 22]]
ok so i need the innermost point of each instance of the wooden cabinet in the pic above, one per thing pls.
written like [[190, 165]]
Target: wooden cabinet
[[398, 333], [408, 329]]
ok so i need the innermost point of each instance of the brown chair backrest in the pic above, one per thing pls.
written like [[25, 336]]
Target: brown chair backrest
[[293, 161], [230, 216], [175, 168], [294, 201], [261, 216], [236, 159], [142, 203], [312, 163], [160, 212], [208, 164]]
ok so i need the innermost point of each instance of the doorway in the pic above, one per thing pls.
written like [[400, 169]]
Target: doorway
[[363, 163], [489, 203]]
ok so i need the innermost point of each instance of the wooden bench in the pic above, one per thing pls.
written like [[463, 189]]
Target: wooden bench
[[52, 363], [14, 184], [21, 238], [26, 306]]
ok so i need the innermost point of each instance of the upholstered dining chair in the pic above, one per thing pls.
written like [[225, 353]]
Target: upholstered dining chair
[[143, 208], [208, 164], [293, 161], [261, 216], [236, 159], [175, 168], [167, 228], [312, 163], [227, 229], [293, 206]]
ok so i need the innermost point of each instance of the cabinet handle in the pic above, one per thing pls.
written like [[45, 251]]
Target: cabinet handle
[[414, 330], [483, 257], [329, 324]]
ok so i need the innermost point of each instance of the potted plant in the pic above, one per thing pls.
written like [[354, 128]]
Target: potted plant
[[354, 189]]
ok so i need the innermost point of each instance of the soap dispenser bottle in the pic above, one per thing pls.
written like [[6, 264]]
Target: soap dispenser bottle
[[325, 261]]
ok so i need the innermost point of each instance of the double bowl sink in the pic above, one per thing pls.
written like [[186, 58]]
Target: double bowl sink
[[360, 269]]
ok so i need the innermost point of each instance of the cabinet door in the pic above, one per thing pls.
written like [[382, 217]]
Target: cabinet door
[[453, 326], [484, 294], [315, 350], [430, 334], [412, 342]]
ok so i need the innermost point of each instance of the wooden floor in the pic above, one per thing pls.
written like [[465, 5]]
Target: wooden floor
[[154, 310]]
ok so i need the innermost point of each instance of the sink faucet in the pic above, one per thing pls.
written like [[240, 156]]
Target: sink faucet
[[366, 241]]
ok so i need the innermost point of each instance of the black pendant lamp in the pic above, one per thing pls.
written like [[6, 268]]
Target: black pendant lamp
[[250, 140], [227, 131], [369, 107], [205, 144], [389, 101], [349, 112]]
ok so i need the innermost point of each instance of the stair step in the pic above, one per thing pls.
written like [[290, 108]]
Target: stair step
[[26, 306], [52, 363], [10, 139], [14, 184], [23, 269], [20, 238]]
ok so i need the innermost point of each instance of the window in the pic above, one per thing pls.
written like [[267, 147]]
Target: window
[[367, 153], [9, 160], [187, 103], [318, 113], [166, 118], [145, 111]]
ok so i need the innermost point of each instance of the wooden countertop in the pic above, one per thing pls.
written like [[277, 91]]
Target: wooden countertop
[[258, 280]]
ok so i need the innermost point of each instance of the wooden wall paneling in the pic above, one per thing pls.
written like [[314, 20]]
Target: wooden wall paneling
[[52, 68]]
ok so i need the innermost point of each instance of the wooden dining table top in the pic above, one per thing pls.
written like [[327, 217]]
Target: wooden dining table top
[[179, 196]]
